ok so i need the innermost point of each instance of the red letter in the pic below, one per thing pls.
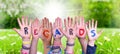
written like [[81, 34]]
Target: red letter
[[81, 32], [35, 32], [45, 33]]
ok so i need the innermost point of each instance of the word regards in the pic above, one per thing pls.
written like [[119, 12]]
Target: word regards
[[26, 30], [46, 33], [93, 33], [57, 32], [81, 32]]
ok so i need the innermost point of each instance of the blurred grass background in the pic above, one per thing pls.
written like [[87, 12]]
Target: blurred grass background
[[107, 12]]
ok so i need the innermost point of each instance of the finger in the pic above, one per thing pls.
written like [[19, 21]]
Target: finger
[[54, 25], [86, 25], [23, 21], [26, 21], [56, 22], [47, 23], [19, 22], [96, 24], [99, 33], [30, 23], [76, 21], [68, 21], [50, 26], [92, 23], [42, 23], [81, 21], [17, 30], [71, 21], [65, 22], [89, 24], [60, 21]]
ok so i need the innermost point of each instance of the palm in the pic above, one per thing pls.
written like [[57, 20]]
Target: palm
[[68, 34], [46, 34], [36, 28], [46, 30], [70, 29], [57, 29], [92, 31], [25, 29], [22, 32], [81, 31]]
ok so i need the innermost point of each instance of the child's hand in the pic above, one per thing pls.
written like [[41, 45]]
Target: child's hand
[[36, 29], [25, 28], [46, 31], [70, 28], [92, 32], [57, 29], [81, 31]]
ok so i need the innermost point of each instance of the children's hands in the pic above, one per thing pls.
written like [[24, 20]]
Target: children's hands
[[70, 28], [25, 28], [57, 28], [81, 31], [46, 31], [92, 32], [36, 29]]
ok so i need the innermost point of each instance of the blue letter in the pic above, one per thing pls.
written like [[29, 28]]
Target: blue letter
[[57, 32], [93, 33]]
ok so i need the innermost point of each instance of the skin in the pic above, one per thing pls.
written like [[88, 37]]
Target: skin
[[92, 26], [81, 38], [69, 24], [36, 29], [25, 37], [57, 26], [46, 25]]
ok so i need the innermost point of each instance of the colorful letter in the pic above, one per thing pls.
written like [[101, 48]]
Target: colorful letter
[[81, 32], [93, 33], [35, 32], [57, 32], [46, 33], [71, 31], [26, 30]]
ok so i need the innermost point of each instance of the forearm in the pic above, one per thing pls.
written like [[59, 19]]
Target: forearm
[[46, 47], [83, 43], [25, 46], [70, 46], [33, 49], [91, 47]]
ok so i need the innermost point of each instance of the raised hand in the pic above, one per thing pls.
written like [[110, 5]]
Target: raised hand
[[92, 32], [70, 28], [25, 33], [36, 29], [46, 30], [81, 30], [46, 34], [25, 28], [57, 29]]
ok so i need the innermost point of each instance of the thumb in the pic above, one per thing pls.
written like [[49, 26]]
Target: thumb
[[99, 33], [16, 30]]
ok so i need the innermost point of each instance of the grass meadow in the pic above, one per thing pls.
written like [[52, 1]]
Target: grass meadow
[[108, 42]]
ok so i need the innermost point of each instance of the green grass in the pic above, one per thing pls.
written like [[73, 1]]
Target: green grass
[[108, 42]]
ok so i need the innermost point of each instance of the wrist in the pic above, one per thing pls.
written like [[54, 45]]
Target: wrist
[[91, 43], [26, 43], [25, 39]]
